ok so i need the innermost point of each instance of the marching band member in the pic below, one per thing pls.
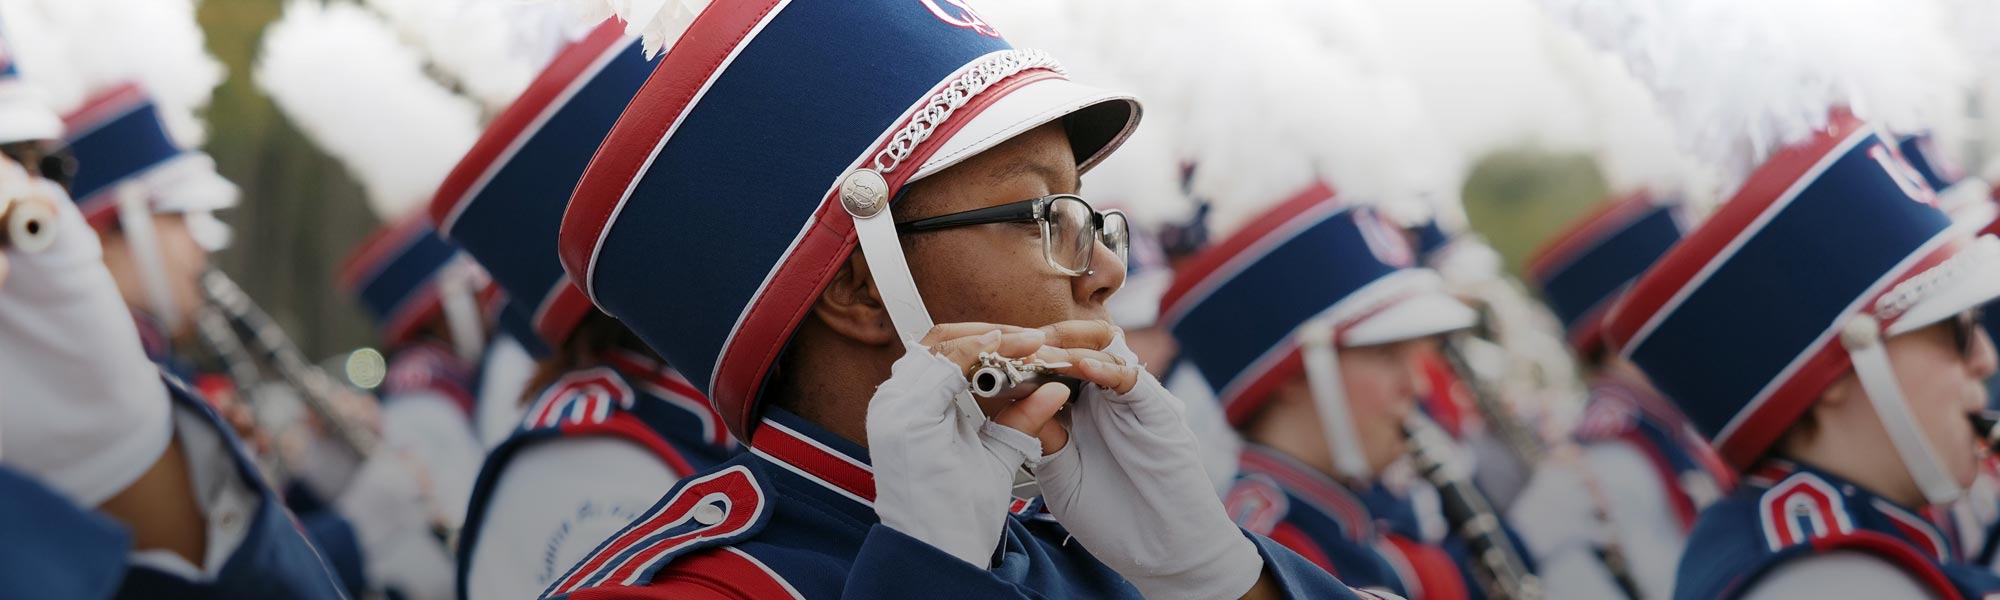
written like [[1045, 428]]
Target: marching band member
[[720, 220], [1648, 470], [1822, 324], [600, 397]]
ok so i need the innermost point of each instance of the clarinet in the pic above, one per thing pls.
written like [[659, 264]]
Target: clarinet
[[269, 342], [1495, 564], [1529, 448]]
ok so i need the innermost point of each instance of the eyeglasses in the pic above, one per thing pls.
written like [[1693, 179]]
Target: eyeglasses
[[1965, 332], [1071, 230]]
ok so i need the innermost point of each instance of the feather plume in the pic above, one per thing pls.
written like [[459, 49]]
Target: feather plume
[[158, 45], [345, 79], [1265, 104], [659, 22], [491, 49], [1743, 79]]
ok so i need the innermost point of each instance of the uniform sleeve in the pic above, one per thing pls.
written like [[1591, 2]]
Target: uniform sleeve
[[1648, 531], [546, 513], [83, 410], [1300, 578], [434, 430], [1838, 575], [892, 564], [66, 551]]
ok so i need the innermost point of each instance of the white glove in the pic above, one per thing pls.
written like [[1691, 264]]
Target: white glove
[[83, 408], [939, 477], [389, 505], [1130, 487]]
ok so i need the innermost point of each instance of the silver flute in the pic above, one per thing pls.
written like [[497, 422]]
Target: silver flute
[[1496, 564], [26, 226], [1015, 378]]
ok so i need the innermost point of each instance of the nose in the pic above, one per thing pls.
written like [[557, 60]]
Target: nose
[[1983, 361], [1107, 274]]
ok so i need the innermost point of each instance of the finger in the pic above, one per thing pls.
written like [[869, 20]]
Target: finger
[[1036, 415], [1106, 374], [1094, 335], [966, 350], [951, 331]]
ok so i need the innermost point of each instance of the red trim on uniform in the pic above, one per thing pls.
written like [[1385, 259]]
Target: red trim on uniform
[[683, 71], [1437, 574], [828, 240], [628, 426], [1587, 336], [1204, 265], [570, 64], [1290, 536], [1768, 184], [1919, 529], [1677, 498], [1898, 553], [1586, 233], [1338, 502], [718, 574], [1781, 523], [669, 385], [747, 503], [801, 453]]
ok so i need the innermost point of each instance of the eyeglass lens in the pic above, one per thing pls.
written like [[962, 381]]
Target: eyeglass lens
[[1071, 237]]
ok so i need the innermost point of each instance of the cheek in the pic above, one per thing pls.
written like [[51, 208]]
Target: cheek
[[988, 277]]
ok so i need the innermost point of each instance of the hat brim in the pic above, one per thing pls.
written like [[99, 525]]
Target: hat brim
[[1420, 308], [188, 184], [1977, 283], [1097, 121]]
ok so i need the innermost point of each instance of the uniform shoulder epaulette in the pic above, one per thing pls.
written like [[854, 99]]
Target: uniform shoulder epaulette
[[710, 510], [587, 396], [1256, 504]]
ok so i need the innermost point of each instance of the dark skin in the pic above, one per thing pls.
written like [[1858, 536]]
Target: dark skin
[[975, 281]]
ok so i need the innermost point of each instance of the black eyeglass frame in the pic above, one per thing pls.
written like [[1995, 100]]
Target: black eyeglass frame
[[1965, 329], [1033, 209]]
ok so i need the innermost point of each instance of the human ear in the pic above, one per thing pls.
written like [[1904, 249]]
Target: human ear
[[852, 307]]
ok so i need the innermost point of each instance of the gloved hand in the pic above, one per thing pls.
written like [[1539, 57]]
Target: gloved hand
[[391, 508], [84, 410], [942, 478], [1130, 486]]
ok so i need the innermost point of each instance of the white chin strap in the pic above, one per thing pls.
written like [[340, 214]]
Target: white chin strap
[[865, 196], [135, 218], [1336, 418], [1862, 336], [461, 310]]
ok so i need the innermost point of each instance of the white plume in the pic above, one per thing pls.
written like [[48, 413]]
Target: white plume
[[1143, 178], [74, 49], [342, 76], [659, 22], [1264, 105], [1743, 79], [490, 48]]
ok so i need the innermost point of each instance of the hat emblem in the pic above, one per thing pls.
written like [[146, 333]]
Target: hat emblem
[[1905, 176], [958, 14], [863, 193]]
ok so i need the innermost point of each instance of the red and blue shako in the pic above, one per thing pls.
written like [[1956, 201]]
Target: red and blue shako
[[1583, 270], [118, 137], [1829, 246], [503, 203]]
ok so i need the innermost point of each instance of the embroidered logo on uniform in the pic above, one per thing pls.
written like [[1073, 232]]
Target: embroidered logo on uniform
[[1800, 509], [583, 397], [1256, 503], [959, 14]]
